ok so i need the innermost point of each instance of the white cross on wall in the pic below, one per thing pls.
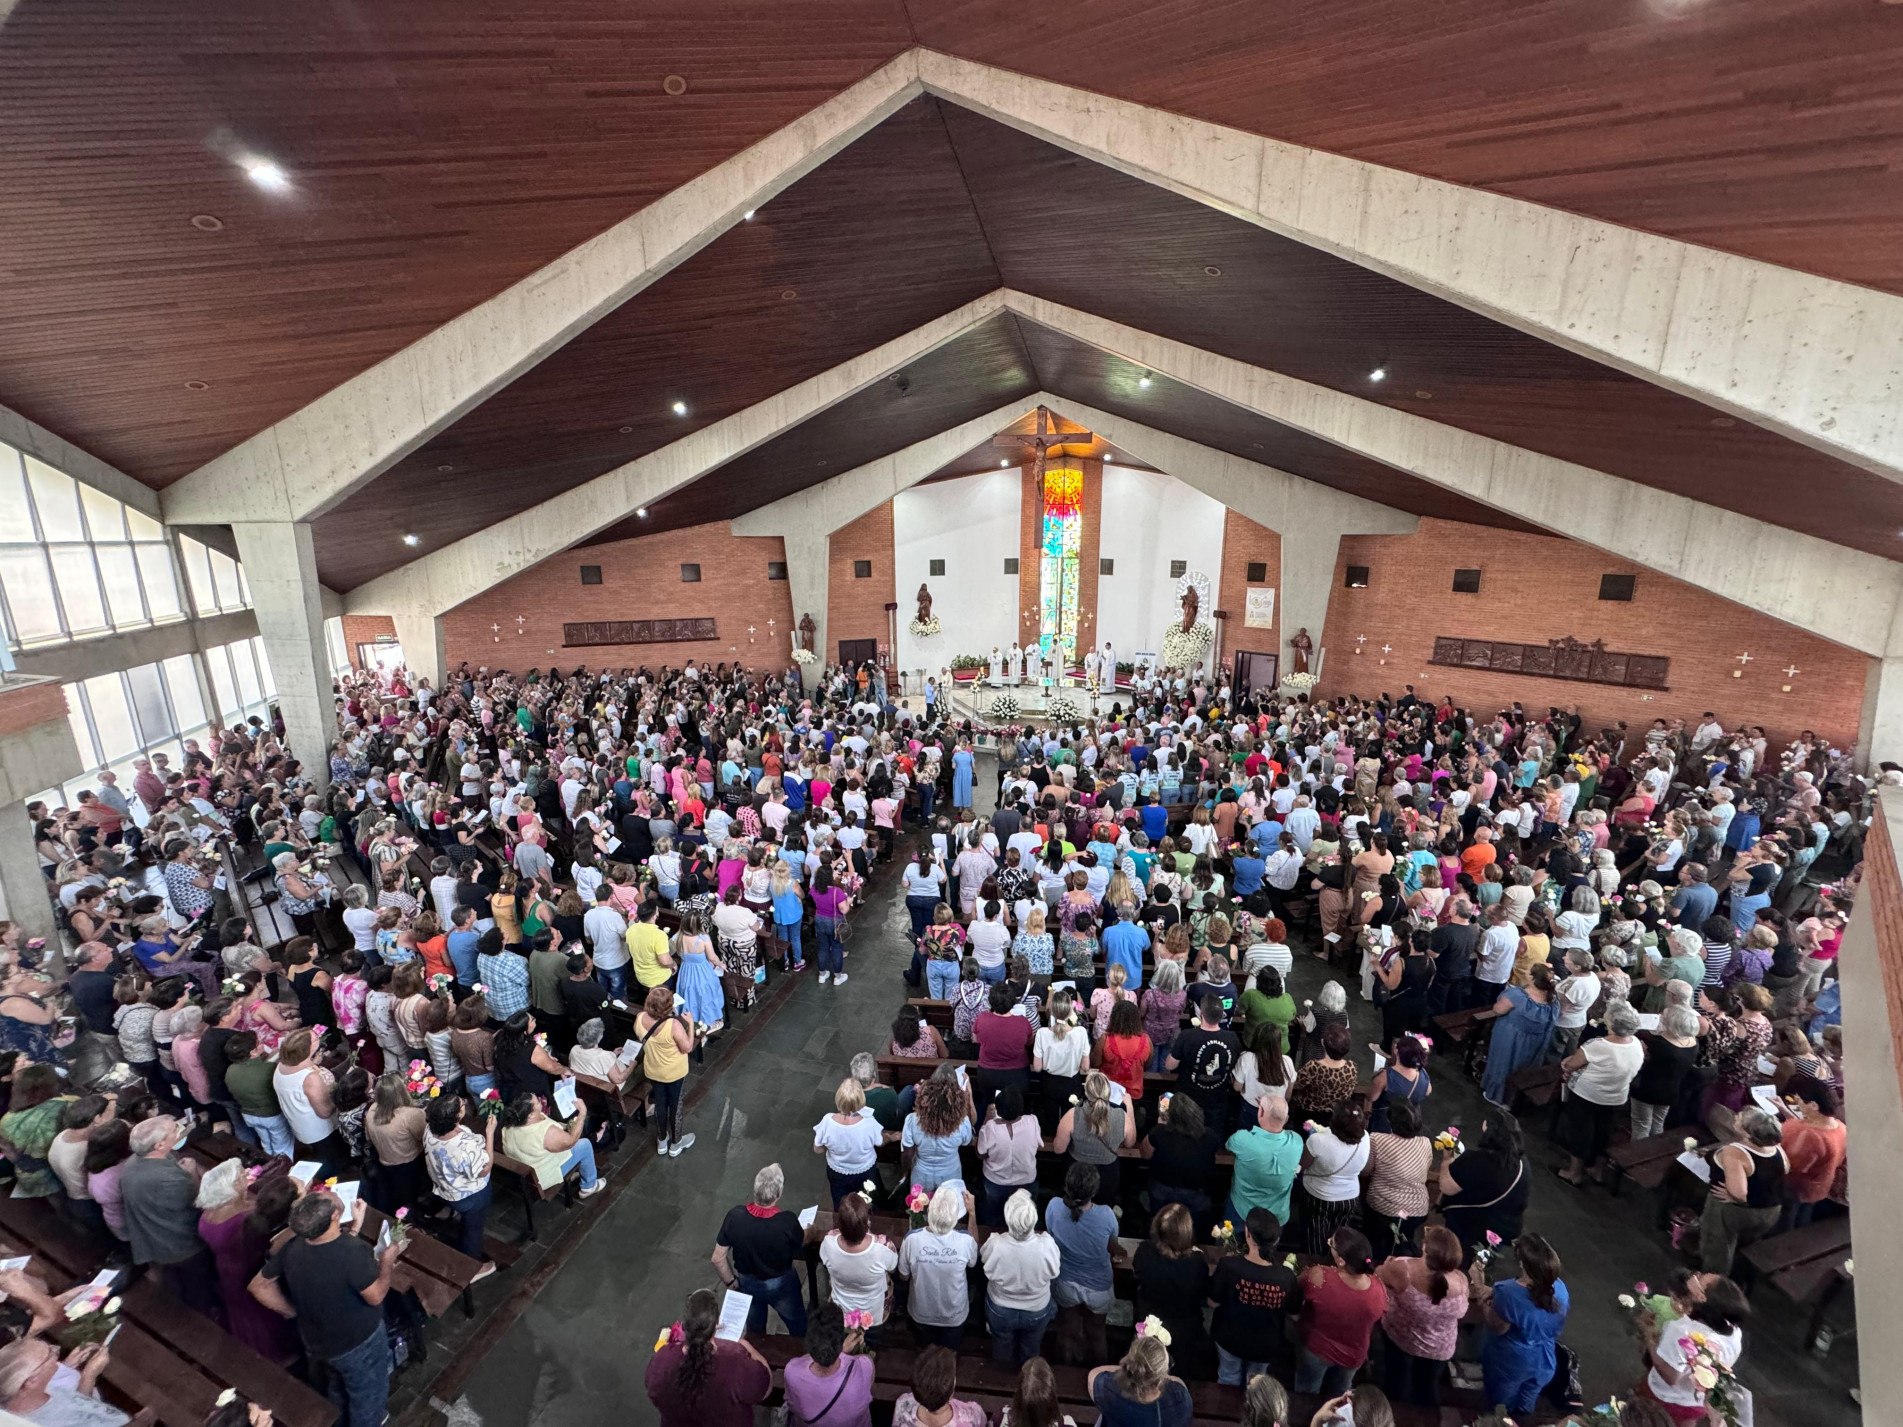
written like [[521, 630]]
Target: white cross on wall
[[1387, 648], [1361, 639], [1791, 673], [1744, 658], [495, 629]]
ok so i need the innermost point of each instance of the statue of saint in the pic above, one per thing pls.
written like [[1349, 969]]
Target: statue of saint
[[1192, 605], [807, 632], [924, 603], [1301, 646]]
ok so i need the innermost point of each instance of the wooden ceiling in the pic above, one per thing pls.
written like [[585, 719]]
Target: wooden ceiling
[[978, 372], [1771, 128], [439, 151], [878, 241], [1013, 446]]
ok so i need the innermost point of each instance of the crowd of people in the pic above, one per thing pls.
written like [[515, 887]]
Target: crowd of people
[[518, 884]]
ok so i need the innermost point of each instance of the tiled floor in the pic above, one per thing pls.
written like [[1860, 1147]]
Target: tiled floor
[[577, 1352]]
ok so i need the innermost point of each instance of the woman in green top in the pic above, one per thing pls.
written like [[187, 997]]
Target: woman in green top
[[538, 910], [1267, 1003], [28, 1128]]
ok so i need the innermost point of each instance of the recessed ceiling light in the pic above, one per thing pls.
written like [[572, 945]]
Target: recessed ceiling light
[[626, 429], [1143, 380], [1003, 461], [205, 223], [411, 540], [788, 294], [675, 85], [1379, 374], [197, 386], [445, 469], [680, 408], [1420, 395], [641, 511], [1724, 421], [747, 217], [1109, 457], [267, 175], [1212, 271]]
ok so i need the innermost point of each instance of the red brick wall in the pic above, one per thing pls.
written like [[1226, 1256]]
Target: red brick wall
[[855, 609], [25, 706], [640, 580], [1534, 588], [1243, 542], [365, 629]]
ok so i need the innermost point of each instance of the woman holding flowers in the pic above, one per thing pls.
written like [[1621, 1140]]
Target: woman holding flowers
[[1524, 1317], [1696, 1353], [459, 1161]]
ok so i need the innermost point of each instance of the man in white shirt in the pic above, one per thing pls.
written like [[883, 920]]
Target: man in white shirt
[[1708, 732], [1493, 962], [1302, 822], [1027, 843], [607, 932], [442, 889]]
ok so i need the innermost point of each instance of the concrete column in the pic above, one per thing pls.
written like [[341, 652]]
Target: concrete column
[[36, 751], [421, 635], [1872, 970], [281, 568], [1308, 576], [809, 572]]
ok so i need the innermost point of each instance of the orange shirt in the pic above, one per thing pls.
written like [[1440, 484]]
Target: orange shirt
[[1477, 859], [435, 954]]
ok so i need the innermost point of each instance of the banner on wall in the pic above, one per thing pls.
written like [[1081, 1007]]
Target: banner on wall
[[1258, 612]]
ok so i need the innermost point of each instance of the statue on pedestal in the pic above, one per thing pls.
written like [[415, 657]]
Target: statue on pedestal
[[1300, 648], [924, 604], [807, 631]]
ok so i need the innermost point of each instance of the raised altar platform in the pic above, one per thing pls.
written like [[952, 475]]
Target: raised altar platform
[[1034, 699]]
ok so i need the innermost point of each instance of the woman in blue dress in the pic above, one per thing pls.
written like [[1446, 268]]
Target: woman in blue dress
[[963, 767], [701, 969], [1521, 1033], [1524, 1317]]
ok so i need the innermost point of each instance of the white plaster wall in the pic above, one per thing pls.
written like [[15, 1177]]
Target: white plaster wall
[[972, 525], [1150, 519]]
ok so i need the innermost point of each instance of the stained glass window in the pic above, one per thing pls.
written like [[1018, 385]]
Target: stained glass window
[[1058, 574]]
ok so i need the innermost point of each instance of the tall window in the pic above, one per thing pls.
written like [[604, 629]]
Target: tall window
[[75, 563], [116, 718], [241, 680], [217, 580], [334, 647], [1058, 573]]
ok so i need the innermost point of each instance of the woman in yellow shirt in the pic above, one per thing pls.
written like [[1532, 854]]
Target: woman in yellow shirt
[[666, 1040]]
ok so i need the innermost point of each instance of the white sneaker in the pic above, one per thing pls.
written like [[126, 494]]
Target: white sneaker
[[839, 978], [590, 1191], [825, 977], [480, 1274], [661, 1148], [681, 1146]]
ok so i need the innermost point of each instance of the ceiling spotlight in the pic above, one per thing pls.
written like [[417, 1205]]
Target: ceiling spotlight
[[680, 408], [1212, 271], [205, 223], [1143, 380], [445, 469], [1378, 374], [674, 85], [1003, 461], [267, 175], [197, 386], [747, 217], [641, 511], [412, 540], [1109, 457], [626, 429]]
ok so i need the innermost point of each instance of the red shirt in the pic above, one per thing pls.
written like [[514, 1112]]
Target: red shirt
[[1004, 1042], [1124, 1060], [1337, 1319]]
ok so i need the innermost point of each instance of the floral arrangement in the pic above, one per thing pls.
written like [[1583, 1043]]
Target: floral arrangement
[[420, 1082], [1062, 709], [1723, 1394], [1185, 648], [1224, 1234], [441, 982], [1004, 707], [1483, 1253], [1301, 683], [1152, 1327], [961, 662], [805, 656], [858, 1320], [1448, 1140], [88, 1320], [925, 628], [400, 1226], [916, 1204], [489, 1103], [675, 1334]]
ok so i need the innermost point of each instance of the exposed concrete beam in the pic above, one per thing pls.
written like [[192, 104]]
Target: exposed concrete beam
[[1818, 360], [445, 578], [1840, 594], [34, 439], [133, 647], [314, 458]]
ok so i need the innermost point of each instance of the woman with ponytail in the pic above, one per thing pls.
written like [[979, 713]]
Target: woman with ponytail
[[1525, 1316], [696, 1380], [1427, 1298], [1342, 1302], [1139, 1391], [1094, 1130], [1084, 1291]]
